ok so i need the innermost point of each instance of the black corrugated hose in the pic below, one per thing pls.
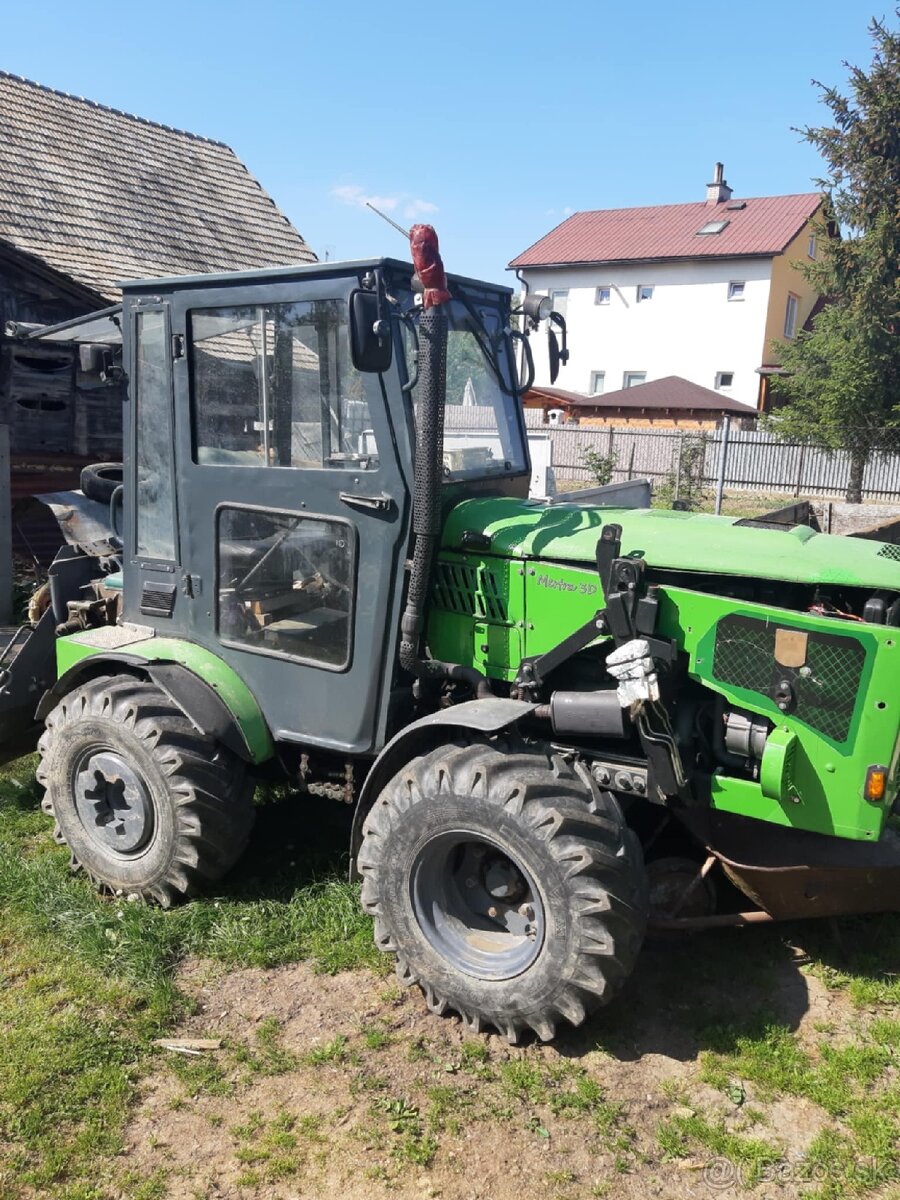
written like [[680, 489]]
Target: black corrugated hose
[[427, 505]]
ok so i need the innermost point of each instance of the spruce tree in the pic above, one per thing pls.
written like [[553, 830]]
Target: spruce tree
[[842, 390]]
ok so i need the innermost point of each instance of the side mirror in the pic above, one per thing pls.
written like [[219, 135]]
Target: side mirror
[[371, 348], [103, 361], [559, 355], [526, 368], [553, 354]]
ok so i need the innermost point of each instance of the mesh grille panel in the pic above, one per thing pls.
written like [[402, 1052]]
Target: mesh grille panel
[[825, 686], [471, 591], [889, 551]]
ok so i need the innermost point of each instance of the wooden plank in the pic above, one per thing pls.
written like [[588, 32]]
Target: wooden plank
[[6, 564]]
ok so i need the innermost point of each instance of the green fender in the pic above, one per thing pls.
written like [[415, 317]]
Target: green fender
[[209, 691]]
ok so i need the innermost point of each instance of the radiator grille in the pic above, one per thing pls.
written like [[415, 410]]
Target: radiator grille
[[889, 551], [825, 686], [471, 591]]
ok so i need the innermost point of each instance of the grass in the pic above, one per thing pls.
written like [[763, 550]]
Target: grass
[[852, 1083], [274, 1150], [87, 982], [680, 1135]]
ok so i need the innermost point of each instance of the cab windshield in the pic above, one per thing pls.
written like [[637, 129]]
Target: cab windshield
[[482, 423]]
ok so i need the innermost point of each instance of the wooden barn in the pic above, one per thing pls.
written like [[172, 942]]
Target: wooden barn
[[90, 196]]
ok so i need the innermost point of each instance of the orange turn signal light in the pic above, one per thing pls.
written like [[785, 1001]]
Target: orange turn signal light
[[876, 784]]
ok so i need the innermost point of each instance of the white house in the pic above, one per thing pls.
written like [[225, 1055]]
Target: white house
[[700, 291]]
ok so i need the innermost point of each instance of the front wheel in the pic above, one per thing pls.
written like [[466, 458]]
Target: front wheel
[[506, 885], [147, 805]]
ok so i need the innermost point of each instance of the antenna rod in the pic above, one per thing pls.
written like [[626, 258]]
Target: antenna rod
[[385, 217]]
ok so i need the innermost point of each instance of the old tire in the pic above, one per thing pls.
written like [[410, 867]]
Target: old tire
[[469, 830], [146, 804], [100, 480]]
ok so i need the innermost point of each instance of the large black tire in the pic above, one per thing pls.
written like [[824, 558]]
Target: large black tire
[[543, 833], [100, 480], [120, 762]]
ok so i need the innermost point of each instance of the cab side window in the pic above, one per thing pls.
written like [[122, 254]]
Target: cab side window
[[286, 584], [152, 397], [273, 385]]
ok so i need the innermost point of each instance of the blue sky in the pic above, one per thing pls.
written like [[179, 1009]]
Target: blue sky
[[492, 121]]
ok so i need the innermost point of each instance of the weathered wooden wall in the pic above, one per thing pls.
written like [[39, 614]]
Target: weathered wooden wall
[[50, 407], [6, 571]]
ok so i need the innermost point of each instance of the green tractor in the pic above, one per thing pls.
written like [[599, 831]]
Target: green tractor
[[558, 722]]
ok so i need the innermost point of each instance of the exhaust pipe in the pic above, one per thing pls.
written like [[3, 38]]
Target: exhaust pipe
[[429, 470]]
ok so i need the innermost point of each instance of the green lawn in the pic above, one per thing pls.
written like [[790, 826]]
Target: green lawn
[[86, 983]]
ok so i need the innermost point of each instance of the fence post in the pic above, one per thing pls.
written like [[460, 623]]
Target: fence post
[[723, 457], [800, 468], [6, 564], [631, 460], [679, 451]]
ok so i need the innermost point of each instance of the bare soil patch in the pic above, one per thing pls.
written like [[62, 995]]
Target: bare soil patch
[[345, 1086]]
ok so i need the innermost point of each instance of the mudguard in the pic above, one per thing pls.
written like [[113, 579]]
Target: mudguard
[[201, 704], [482, 716]]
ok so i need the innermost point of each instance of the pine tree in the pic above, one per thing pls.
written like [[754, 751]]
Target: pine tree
[[843, 386]]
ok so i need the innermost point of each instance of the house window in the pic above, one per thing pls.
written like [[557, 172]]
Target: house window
[[644, 292], [736, 289], [603, 295], [790, 315], [633, 378], [598, 382], [711, 227], [559, 302], [724, 380], [811, 246]]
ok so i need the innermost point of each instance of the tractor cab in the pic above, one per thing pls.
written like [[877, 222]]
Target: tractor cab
[[269, 470]]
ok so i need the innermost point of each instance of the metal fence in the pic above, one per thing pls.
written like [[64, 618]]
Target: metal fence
[[754, 461]]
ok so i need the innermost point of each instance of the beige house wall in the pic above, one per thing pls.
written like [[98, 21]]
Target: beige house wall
[[788, 278]]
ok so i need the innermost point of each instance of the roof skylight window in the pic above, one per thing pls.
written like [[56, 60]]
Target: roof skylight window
[[712, 227]]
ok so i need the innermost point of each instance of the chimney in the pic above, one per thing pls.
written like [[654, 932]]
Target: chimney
[[718, 191]]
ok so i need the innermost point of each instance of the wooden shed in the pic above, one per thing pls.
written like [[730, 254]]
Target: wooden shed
[[90, 196]]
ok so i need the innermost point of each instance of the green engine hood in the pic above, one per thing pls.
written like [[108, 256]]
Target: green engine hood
[[682, 541]]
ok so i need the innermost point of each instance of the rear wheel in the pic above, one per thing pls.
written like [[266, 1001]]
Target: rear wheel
[[506, 885], [146, 804]]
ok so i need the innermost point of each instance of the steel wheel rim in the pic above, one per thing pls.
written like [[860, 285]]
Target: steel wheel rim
[[113, 803], [477, 905]]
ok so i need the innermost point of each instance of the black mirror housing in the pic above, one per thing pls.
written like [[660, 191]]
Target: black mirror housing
[[371, 347]]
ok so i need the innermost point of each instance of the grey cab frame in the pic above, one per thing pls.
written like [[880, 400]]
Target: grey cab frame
[[323, 676], [335, 701]]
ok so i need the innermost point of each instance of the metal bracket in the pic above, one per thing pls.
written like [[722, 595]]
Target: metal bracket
[[533, 671]]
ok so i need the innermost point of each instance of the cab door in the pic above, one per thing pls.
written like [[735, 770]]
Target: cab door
[[293, 507]]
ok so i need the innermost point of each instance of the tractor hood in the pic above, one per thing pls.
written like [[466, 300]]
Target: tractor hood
[[681, 541]]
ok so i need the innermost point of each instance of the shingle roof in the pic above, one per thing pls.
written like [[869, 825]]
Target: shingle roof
[[672, 391], [764, 226], [100, 195]]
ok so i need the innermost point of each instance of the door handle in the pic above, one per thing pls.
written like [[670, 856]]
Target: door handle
[[380, 503]]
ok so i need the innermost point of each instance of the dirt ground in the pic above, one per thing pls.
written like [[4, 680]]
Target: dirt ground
[[345, 1086]]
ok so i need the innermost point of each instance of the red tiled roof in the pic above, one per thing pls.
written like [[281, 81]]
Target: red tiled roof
[[669, 392], [766, 225]]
